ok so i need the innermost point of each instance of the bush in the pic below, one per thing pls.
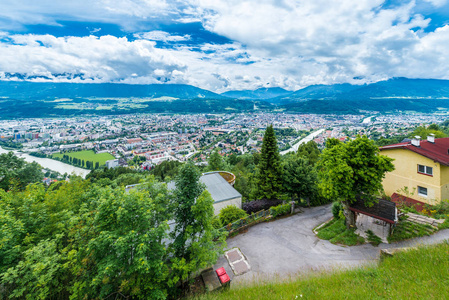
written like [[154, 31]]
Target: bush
[[231, 213], [216, 223], [280, 210], [336, 208], [373, 239], [258, 205]]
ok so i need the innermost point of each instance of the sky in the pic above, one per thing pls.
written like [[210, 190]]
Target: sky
[[223, 45]]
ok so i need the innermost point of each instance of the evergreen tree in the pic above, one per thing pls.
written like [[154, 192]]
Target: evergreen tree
[[97, 165], [269, 169]]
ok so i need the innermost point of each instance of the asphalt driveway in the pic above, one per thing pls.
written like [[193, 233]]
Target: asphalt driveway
[[288, 246]]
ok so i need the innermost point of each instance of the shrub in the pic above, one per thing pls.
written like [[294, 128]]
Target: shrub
[[231, 213], [280, 210], [216, 223], [336, 208], [258, 205], [373, 239]]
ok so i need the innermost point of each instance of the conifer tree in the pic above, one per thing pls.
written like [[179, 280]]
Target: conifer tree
[[269, 169]]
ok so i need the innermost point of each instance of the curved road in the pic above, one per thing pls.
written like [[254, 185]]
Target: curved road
[[288, 246]]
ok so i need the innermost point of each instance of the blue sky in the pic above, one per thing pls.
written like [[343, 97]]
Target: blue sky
[[224, 45]]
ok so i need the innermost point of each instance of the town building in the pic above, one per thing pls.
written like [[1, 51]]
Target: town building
[[421, 172]]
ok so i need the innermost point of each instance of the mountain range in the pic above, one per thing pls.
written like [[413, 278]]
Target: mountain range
[[54, 90], [49, 98]]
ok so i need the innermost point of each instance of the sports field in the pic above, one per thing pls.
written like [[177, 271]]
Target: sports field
[[88, 155]]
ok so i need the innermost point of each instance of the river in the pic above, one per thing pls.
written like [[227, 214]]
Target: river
[[308, 138], [51, 164]]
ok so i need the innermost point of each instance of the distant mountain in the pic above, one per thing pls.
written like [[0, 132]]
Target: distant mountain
[[259, 94], [393, 95], [401, 88], [319, 92], [395, 88], [49, 90]]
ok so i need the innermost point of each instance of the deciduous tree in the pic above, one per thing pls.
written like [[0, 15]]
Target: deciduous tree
[[351, 171], [299, 178]]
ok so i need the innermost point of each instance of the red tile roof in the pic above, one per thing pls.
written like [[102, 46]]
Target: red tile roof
[[437, 151]]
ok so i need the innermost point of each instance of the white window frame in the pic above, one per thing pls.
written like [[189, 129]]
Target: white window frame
[[422, 194], [426, 170]]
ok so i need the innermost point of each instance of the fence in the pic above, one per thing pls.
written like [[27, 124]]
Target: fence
[[249, 221]]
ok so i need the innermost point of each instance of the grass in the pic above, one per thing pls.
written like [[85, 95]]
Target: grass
[[413, 274], [88, 155], [335, 232], [405, 230]]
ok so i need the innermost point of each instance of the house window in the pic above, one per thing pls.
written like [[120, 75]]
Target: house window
[[425, 170], [422, 191]]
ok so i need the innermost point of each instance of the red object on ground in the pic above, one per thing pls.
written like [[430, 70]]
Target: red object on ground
[[224, 278], [220, 271]]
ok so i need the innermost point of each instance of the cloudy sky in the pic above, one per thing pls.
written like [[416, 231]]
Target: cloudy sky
[[224, 45]]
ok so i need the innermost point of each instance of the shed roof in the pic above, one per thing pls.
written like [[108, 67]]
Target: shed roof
[[217, 186], [383, 210]]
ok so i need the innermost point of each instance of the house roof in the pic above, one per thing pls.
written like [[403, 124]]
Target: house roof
[[217, 186], [437, 151], [383, 210]]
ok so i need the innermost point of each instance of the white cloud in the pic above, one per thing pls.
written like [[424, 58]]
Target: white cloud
[[158, 35], [437, 3], [105, 58], [286, 43]]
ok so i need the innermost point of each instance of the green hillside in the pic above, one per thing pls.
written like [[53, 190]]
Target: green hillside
[[416, 274]]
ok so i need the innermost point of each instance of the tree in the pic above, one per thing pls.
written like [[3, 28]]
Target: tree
[[167, 169], [269, 169], [215, 161], [299, 177], [125, 252], [310, 151], [15, 171], [423, 132], [197, 243], [353, 171], [188, 189]]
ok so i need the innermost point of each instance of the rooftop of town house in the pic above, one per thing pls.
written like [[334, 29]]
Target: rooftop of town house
[[437, 150]]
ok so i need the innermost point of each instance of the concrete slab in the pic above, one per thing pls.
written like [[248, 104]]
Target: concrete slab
[[233, 255], [241, 267], [211, 280]]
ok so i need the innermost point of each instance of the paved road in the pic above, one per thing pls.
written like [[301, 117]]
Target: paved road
[[288, 246]]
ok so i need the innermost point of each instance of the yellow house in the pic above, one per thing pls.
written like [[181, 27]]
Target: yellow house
[[421, 170]]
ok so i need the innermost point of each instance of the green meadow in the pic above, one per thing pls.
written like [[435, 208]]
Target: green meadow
[[88, 155]]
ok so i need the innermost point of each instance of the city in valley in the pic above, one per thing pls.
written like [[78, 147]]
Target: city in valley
[[155, 138]]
